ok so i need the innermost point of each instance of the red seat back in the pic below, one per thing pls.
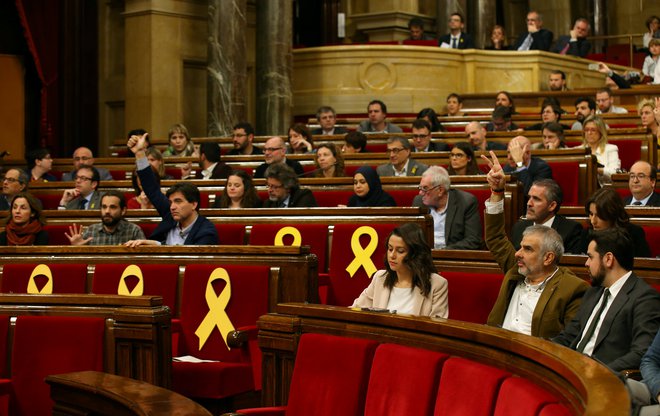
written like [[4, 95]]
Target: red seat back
[[566, 174], [630, 151], [472, 295], [332, 198], [403, 197], [653, 238], [66, 278], [313, 235], [56, 235], [519, 396], [231, 234]]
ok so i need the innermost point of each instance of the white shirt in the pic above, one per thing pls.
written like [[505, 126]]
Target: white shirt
[[439, 222], [177, 236], [521, 307], [614, 290], [401, 300], [206, 173], [403, 171]]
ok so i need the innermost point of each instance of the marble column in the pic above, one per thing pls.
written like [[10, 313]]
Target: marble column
[[481, 21], [274, 66], [600, 24], [227, 65]]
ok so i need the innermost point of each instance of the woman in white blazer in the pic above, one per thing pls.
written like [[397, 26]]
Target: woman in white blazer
[[594, 135]]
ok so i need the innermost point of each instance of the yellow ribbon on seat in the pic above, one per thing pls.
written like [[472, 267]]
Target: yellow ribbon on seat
[[292, 231], [138, 290], [363, 256], [41, 269], [216, 316]]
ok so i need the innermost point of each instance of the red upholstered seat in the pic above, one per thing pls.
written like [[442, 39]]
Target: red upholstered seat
[[468, 388], [403, 197], [158, 280], [231, 234], [313, 235], [472, 295], [56, 235], [5, 382], [519, 396], [555, 409], [332, 198], [344, 288], [566, 174], [630, 151], [50, 201], [237, 370], [148, 228], [653, 238], [67, 278], [403, 381], [46, 345]]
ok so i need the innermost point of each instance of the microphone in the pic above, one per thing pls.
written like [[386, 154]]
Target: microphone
[[311, 172]]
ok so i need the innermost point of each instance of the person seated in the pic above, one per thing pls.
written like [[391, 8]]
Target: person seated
[[284, 190], [354, 142], [180, 143], [613, 78], [646, 393], [430, 116], [416, 28], [14, 182], [543, 202], [605, 103], [456, 38], [584, 107], [113, 228], [642, 185], [24, 224], [456, 222], [501, 120], [85, 194], [377, 122], [576, 42], [550, 113], [537, 297], [275, 152], [553, 137], [454, 105], [476, 133], [649, 116], [140, 200], [421, 138], [536, 38], [242, 139], [401, 164], [557, 80], [300, 140], [594, 137], [409, 284], [181, 223], [497, 39], [368, 190], [462, 160], [605, 210], [327, 118], [239, 192], [40, 163], [155, 158], [651, 61], [620, 314], [653, 30], [209, 163], [84, 156], [505, 99], [329, 162], [523, 166]]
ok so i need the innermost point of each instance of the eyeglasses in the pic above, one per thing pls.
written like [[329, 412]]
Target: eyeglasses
[[11, 180], [274, 187], [82, 178], [426, 190], [457, 155], [420, 136], [395, 150], [272, 149], [640, 176]]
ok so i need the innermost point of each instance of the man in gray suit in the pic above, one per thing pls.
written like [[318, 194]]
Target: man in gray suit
[[84, 156], [401, 164], [85, 195], [456, 222]]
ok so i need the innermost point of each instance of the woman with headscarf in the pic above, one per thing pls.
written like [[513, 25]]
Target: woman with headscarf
[[368, 190]]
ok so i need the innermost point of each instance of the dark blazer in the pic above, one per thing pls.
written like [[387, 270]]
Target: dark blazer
[[654, 201], [569, 230], [220, 171], [293, 164], [537, 169], [627, 329], [462, 223], [541, 40], [580, 47], [559, 301], [464, 41], [436, 147], [492, 146], [4, 204], [491, 127], [94, 202], [203, 231], [255, 151], [640, 245], [338, 130], [299, 197]]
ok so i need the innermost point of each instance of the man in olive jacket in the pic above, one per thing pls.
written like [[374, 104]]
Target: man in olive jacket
[[537, 297]]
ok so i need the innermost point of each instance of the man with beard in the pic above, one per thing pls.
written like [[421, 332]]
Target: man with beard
[[284, 191], [620, 313], [113, 228], [242, 139], [537, 297], [584, 107]]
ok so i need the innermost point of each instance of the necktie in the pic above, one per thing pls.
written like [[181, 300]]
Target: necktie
[[83, 203], [592, 328], [637, 203], [565, 49], [454, 43], [526, 44]]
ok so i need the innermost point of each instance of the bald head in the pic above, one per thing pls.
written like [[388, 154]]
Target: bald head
[[476, 133], [274, 150], [82, 156]]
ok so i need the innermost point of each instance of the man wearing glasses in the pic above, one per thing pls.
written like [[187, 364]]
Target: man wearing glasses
[[284, 191], [242, 138], [456, 223], [421, 135], [400, 162], [84, 156], [85, 195], [536, 38], [275, 152], [15, 182], [642, 185]]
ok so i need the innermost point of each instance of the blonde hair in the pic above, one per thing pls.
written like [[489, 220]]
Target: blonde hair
[[602, 129]]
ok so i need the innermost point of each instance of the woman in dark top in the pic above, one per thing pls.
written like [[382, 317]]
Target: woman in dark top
[[605, 209], [431, 116], [462, 161], [239, 192], [24, 225], [368, 190]]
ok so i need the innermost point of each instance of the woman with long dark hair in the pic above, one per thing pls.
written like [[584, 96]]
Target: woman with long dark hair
[[462, 160], [239, 192], [409, 284]]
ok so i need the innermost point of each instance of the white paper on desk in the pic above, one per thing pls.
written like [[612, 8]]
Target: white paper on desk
[[192, 359], [445, 45]]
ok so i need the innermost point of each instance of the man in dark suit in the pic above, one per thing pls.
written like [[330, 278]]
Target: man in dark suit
[[523, 166], [456, 38], [210, 164], [275, 152], [421, 138], [85, 194], [620, 314], [536, 38], [456, 222], [476, 134], [284, 191], [642, 185], [327, 118], [544, 200], [242, 139], [15, 182], [179, 208], [575, 44]]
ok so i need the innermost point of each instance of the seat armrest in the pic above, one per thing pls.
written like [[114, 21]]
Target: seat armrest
[[239, 337], [634, 374]]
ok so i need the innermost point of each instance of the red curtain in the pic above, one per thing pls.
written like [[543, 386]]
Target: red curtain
[[40, 20]]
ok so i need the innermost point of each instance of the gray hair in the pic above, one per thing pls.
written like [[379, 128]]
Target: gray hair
[[404, 142], [551, 241], [439, 176], [283, 173], [325, 109]]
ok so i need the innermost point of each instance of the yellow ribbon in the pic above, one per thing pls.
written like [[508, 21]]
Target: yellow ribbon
[[292, 231], [44, 270], [138, 290], [363, 256], [216, 316]]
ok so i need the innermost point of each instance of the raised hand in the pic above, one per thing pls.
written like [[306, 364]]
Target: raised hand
[[495, 177], [75, 235], [137, 143]]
